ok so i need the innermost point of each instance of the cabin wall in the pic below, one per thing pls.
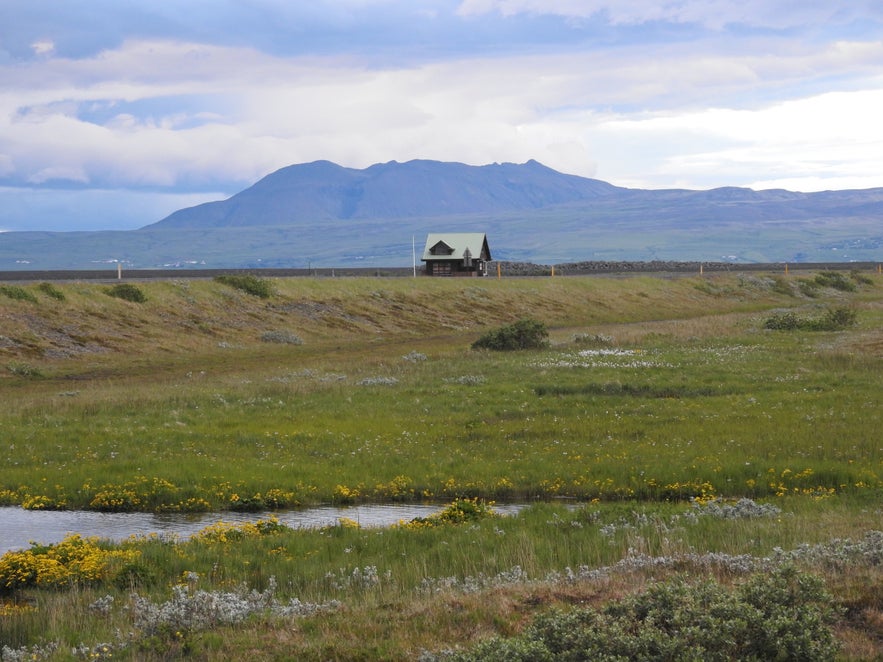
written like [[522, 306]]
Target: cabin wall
[[454, 268]]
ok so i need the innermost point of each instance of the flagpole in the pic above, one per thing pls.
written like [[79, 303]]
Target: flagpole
[[414, 255]]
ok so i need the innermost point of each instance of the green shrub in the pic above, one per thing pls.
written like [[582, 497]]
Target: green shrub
[[782, 322], [511, 650], [783, 615], [836, 280], [834, 319], [127, 292], [50, 290], [808, 288], [461, 511], [782, 285], [523, 334], [23, 369], [259, 287], [18, 293], [860, 278]]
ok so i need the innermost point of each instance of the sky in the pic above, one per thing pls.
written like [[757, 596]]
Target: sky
[[114, 113]]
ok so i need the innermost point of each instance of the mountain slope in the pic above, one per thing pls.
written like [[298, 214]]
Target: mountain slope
[[322, 191]]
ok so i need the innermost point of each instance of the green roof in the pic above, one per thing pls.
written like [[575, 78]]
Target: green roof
[[457, 244]]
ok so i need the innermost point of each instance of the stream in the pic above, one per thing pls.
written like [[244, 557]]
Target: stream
[[20, 527]]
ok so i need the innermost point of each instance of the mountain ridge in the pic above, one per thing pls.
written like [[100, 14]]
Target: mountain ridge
[[323, 214], [322, 190]]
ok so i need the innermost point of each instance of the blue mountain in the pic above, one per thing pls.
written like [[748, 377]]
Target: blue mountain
[[323, 191]]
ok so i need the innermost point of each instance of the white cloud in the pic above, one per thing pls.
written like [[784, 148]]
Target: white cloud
[[823, 142], [713, 108], [59, 173], [43, 47], [276, 111]]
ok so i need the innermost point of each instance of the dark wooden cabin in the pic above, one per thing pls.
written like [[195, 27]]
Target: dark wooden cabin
[[456, 254]]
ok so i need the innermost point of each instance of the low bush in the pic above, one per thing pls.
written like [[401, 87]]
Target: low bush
[[51, 291], [259, 287], [18, 293], [127, 292], [784, 615], [836, 280], [23, 369], [860, 278], [523, 334], [74, 560], [782, 285], [808, 288], [192, 610], [460, 511], [834, 319], [782, 322]]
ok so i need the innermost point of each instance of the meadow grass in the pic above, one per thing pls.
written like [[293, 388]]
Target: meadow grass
[[756, 414], [657, 401]]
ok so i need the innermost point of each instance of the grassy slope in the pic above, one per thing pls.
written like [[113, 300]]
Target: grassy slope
[[91, 340], [183, 318]]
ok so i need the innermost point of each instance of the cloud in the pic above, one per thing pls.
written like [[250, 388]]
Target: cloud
[[184, 108], [43, 47], [715, 14], [643, 93], [781, 146], [56, 173]]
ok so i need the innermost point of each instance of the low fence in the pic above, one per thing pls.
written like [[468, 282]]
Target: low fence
[[505, 269]]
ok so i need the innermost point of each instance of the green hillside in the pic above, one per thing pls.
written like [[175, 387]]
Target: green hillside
[[187, 317]]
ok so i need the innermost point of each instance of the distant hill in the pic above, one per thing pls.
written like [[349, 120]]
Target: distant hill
[[323, 191], [324, 215]]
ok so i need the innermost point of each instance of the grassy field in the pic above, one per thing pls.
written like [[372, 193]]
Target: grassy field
[[665, 431]]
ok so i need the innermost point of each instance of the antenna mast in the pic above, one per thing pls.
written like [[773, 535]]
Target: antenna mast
[[414, 255]]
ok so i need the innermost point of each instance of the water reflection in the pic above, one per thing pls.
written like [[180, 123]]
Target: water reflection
[[19, 527]]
